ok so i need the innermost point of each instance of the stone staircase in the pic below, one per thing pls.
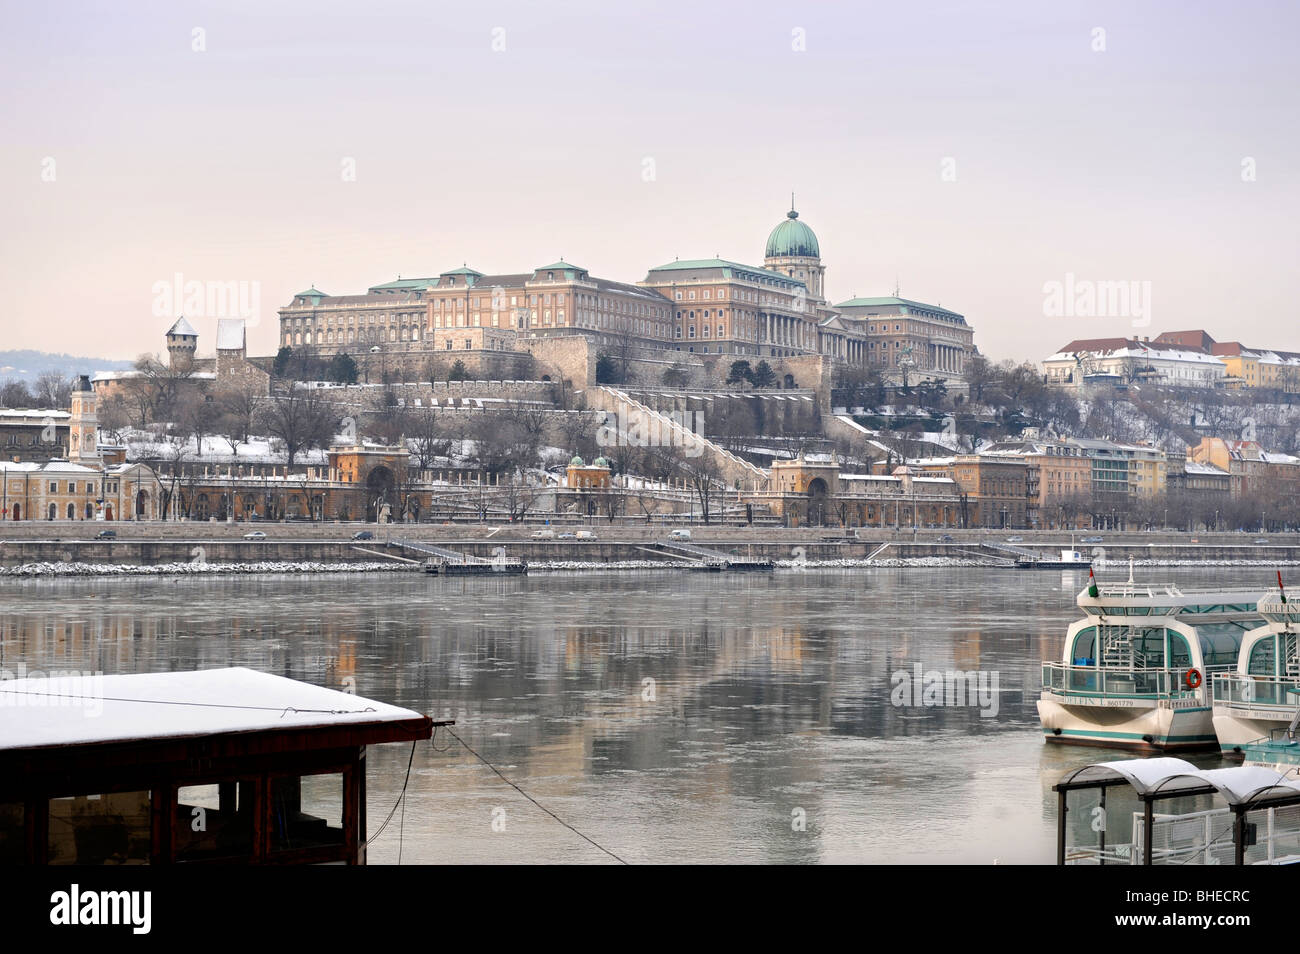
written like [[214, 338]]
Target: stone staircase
[[623, 408]]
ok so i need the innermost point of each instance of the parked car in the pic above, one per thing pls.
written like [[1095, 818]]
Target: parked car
[[680, 535], [1092, 539], [363, 535], [585, 535], [107, 535], [567, 536], [1015, 539], [1261, 540], [543, 534], [255, 535], [946, 538]]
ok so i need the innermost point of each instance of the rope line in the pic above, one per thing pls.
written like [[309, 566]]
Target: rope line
[[401, 801], [497, 772], [285, 710]]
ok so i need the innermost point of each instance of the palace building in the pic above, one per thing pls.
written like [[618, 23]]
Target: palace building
[[701, 306]]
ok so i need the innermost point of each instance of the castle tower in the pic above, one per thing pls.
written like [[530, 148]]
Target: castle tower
[[792, 250], [83, 425], [182, 343]]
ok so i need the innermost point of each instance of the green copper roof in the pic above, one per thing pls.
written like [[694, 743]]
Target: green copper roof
[[905, 302], [728, 268], [312, 292], [407, 283], [792, 237], [560, 266], [463, 270]]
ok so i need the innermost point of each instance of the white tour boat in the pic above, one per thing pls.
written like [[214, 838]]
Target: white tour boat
[[1257, 701], [1136, 670]]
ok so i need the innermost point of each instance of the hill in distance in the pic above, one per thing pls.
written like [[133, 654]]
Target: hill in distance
[[27, 366]]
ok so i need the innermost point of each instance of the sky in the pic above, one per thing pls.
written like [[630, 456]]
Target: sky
[[969, 154]]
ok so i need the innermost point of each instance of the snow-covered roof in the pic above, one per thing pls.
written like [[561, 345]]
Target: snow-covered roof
[[30, 415], [105, 709], [45, 467], [1239, 785], [230, 334], [1195, 467], [182, 327]]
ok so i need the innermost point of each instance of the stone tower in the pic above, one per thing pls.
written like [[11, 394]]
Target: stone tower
[[182, 343], [82, 426]]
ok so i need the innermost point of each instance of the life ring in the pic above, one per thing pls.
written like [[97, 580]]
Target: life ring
[[1192, 678]]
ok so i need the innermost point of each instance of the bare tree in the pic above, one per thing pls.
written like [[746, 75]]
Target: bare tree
[[300, 419]]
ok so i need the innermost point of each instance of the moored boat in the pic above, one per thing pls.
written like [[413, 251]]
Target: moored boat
[[1256, 702], [1136, 670]]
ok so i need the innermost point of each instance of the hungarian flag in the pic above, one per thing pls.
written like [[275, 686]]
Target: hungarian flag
[[1280, 588], [1092, 584]]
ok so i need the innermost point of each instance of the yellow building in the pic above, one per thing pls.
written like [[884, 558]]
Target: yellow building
[[593, 476]]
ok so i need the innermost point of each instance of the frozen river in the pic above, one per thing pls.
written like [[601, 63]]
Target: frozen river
[[669, 716]]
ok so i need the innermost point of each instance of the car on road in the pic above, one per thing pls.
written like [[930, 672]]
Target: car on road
[[543, 534], [567, 536], [946, 538], [106, 535], [585, 535], [680, 535], [255, 535], [363, 535], [1092, 539], [1015, 539], [1261, 540]]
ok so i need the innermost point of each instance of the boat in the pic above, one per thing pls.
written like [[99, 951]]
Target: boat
[[1135, 672], [1070, 560], [227, 766], [1255, 705]]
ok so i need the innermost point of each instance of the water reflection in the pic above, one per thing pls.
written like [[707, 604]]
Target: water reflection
[[670, 716]]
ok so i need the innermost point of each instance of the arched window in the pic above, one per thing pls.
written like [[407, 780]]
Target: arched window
[[90, 510], [54, 511]]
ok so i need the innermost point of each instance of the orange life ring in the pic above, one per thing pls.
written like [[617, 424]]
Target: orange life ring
[[1192, 678]]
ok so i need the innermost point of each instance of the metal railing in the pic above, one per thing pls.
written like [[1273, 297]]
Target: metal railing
[[1234, 689], [1064, 679]]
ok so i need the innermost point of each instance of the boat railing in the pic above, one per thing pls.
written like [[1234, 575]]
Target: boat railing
[[1199, 838], [1066, 679], [1235, 689]]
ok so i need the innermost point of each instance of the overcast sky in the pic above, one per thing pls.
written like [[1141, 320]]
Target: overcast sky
[[970, 152]]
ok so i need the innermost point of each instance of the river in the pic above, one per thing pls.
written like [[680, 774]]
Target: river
[[669, 716]]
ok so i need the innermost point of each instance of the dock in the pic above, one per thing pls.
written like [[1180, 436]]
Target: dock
[[440, 561]]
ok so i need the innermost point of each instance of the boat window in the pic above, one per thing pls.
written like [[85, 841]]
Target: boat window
[[1085, 647], [13, 847], [306, 811], [214, 821], [1180, 654], [1220, 642], [109, 829], [1263, 658], [1149, 647]]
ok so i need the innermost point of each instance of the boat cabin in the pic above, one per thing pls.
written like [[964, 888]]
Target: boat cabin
[[226, 765], [1140, 642]]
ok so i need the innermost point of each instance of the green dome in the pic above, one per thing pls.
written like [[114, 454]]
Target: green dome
[[576, 462], [600, 462], [792, 237]]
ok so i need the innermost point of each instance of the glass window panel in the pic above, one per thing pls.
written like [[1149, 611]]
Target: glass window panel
[[214, 821], [109, 829], [306, 811]]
